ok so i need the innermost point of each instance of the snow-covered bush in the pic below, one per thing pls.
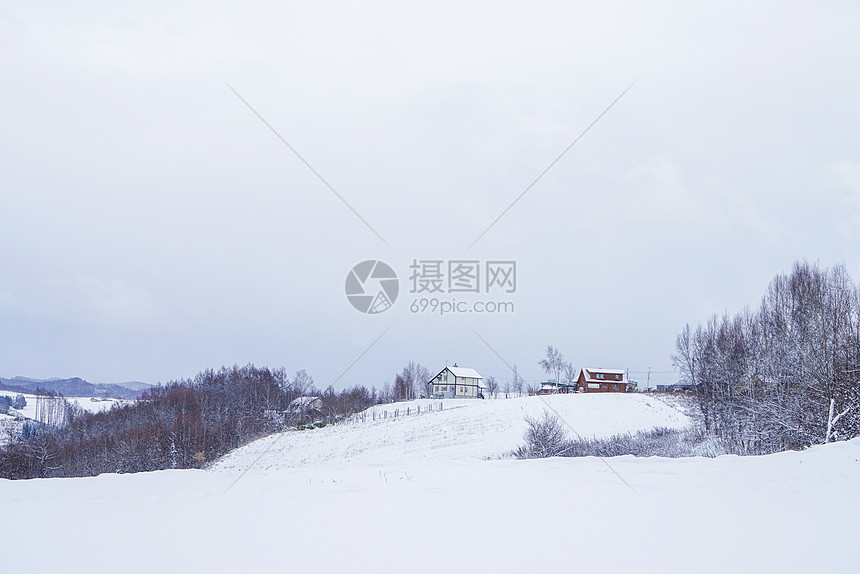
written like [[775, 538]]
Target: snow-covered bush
[[544, 437]]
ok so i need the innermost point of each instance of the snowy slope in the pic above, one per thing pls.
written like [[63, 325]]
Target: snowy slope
[[393, 496], [790, 512], [467, 429]]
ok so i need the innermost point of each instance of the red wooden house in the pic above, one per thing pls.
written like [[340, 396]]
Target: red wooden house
[[602, 380]]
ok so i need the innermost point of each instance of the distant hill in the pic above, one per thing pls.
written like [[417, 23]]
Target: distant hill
[[75, 387], [134, 385]]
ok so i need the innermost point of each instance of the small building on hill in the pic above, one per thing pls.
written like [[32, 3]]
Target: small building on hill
[[676, 388], [304, 409], [602, 380], [457, 383], [553, 388]]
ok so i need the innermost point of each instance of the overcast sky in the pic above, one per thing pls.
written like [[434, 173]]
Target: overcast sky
[[151, 225]]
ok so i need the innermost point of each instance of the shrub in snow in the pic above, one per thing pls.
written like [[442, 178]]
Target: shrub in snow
[[544, 437]]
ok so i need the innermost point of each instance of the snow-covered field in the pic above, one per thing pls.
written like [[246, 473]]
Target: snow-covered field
[[13, 421], [466, 429], [384, 497], [89, 404]]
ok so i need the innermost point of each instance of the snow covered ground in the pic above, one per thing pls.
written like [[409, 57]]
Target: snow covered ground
[[466, 429], [13, 421], [366, 498], [89, 404]]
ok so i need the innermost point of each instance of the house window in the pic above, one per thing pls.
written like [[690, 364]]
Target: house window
[[616, 387], [600, 376], [617, 377]]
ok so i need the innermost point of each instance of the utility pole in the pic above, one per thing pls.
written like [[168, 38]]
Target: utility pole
[[649, 378]]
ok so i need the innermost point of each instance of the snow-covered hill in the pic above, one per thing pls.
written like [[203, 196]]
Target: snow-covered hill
[[466, 429], [386, 497]]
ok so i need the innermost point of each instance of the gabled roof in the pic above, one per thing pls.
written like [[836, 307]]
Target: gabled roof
[[462, 372], [301, 403], [590, 372], [465, 372]]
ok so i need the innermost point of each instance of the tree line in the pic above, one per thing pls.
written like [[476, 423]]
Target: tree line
[[16, 402], [184, 424], [785, 375]]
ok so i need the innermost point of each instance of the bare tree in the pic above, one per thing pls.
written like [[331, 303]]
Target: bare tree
[[553, 362], [569, 374], [784, 376], [303, 383], [52, 409], [418, 376], [517, 382], [403, 389], [492, 386]]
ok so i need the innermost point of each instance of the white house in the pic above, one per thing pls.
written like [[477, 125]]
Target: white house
[[457, 382]]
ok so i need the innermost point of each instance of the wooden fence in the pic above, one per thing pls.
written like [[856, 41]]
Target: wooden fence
[[375, 413]]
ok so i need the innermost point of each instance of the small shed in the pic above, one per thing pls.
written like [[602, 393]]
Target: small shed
[[305, 408], [553, 388]]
